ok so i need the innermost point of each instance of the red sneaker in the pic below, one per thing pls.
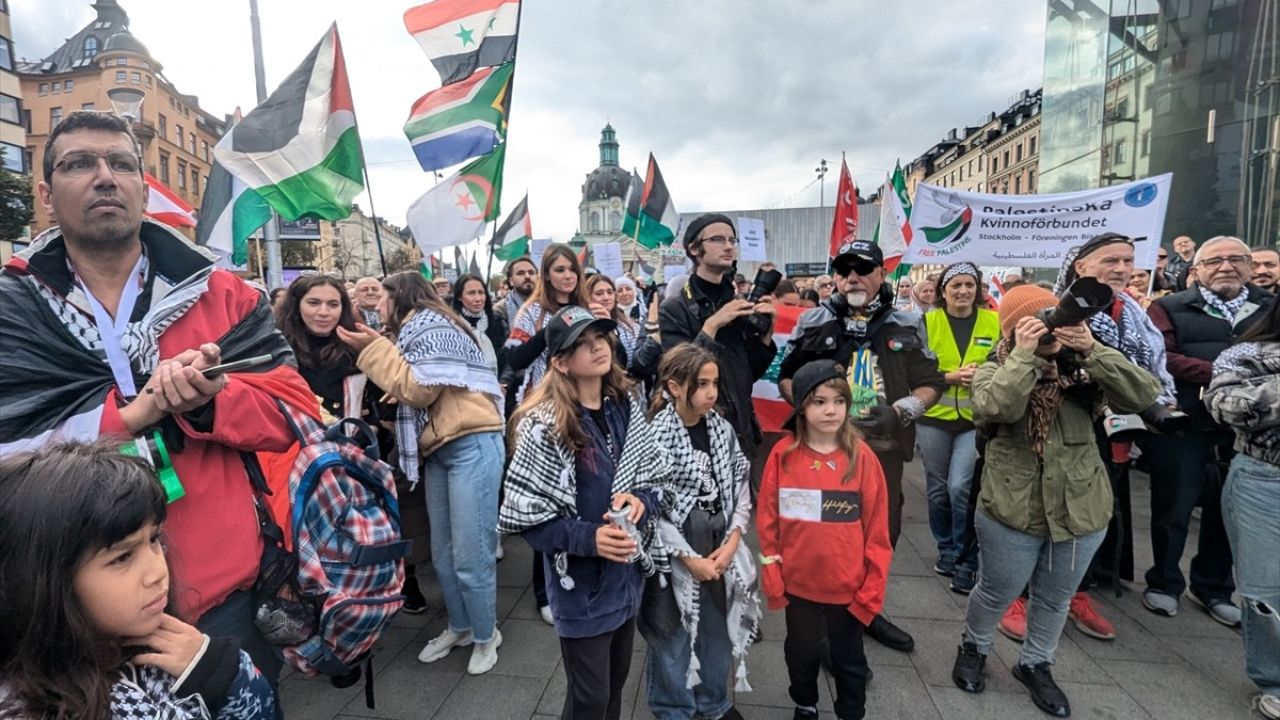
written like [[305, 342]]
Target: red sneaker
[[1014, 622], [1088, 620]]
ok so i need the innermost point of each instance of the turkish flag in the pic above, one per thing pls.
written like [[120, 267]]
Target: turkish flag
[[844, 227]]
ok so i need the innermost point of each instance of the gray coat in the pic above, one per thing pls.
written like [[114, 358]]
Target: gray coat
[[1245, 395]]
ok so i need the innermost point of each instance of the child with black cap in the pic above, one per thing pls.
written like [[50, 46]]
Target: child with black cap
[[823, 522], [582, 449]]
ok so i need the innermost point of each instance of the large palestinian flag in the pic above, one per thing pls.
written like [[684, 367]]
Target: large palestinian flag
[[299, 149]]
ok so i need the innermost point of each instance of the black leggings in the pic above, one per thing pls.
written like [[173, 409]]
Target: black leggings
[[596, 669]]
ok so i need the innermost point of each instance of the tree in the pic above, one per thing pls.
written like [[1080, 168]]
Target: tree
[[17, 206], [400, 258]]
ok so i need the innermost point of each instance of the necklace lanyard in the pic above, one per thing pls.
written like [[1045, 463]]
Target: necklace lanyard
[[112, 331]]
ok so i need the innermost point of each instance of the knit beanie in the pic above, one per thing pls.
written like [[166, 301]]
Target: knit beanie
[[696, 227], [1023, 301]]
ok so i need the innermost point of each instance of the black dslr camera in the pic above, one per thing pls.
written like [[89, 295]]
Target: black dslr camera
[[765, 283]]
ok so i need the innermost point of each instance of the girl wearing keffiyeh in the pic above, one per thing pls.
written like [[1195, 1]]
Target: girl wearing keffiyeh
[[710, 610]]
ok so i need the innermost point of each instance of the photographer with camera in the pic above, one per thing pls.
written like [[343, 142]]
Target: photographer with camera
[[1045, 501], [892, 373], [739, 332]]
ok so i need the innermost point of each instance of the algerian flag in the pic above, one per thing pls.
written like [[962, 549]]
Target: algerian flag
[[299, 149], [456, 209], [512, 237], [894, 231], [229, 214]]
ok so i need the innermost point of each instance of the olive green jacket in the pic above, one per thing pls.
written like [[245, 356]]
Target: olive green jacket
[[1066, 494]]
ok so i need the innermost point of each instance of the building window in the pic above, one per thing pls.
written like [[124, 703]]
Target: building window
[[90, 48], [57, 87], [146, 80], [6, 54], [10, 109], [1121, 152], [43, 89], [120, 76], [1017, 152], [55, 117], [1032, 145], [182, 175], [122, 61], [195, 180], [68, 85], [164, 168], [164, 128], [1005, 162], [15, 157], [962, 174], [193, 142], [135, 78], [1017, 184], [1144, 147], [995, 163], [181, 139], [88, 107], [1031, 181], [204, 150]]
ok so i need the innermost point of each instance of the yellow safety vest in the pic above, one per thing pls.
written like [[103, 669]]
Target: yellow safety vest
[[954, 403]]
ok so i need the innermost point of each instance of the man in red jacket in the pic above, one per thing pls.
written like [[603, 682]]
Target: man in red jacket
[[106, 326]]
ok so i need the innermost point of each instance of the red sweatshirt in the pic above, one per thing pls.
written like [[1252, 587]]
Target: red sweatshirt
[[833, 538]]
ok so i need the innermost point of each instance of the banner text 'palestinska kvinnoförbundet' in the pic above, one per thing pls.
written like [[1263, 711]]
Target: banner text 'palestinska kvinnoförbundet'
[[951, 225]]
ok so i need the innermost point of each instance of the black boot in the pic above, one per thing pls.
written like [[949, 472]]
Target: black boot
[[967, 672], [890, 635], [414, 602], [1045, 693]]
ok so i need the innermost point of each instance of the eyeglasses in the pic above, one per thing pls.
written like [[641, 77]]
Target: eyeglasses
[[720, 240], [860, 267], [824, 285], [84, 163], [1237, 260]]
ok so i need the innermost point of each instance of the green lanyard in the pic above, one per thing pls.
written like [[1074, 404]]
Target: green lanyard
[[153, 450]]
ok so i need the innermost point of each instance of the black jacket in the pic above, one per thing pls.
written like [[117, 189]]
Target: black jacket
[[742, 356], [896, 337]]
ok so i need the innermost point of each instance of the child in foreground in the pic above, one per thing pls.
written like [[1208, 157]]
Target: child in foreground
[[86, 629], [823, 522]]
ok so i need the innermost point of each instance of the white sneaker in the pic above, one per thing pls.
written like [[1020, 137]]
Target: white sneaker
[[1267, 705], [545, 612], [440, 646], [485, 655]]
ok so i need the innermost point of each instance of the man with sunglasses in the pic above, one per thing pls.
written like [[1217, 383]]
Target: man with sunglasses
[[1188, 470], [106, 326], [892, 373]]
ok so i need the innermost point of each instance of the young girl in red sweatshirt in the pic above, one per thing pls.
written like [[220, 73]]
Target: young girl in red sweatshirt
[[824, 540]]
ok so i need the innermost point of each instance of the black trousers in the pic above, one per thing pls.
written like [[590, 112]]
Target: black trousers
[[807, 624], [892, 461], [596, 668]]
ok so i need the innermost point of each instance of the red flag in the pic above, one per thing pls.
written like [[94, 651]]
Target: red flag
[[165, 206], [844, 227]]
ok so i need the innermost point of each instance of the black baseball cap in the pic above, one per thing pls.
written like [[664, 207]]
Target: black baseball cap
[[569, 324], [806, 380], [855, 250]]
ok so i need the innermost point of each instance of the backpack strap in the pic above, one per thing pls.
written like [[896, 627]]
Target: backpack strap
[[306, 429]]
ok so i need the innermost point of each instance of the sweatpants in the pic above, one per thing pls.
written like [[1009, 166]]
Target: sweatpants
[[808, 623], [596, 668]]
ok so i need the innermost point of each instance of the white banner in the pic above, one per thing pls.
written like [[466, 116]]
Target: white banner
[[751, 240], [1034, 230], [538, 246], [608, 259]]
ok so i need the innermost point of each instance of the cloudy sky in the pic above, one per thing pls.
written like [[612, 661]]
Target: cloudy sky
[[737, 99]]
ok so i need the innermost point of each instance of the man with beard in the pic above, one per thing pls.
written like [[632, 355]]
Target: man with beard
[[892, 373], [107, 324], [521, 275], [708, 313], [1266, 268], [368, 295]]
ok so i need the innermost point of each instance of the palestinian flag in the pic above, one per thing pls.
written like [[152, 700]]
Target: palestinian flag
[[642, 269], [229, 214], [651, 216], [166, 207], [460, 121], [456, 209], [512, 238], [299, 150], [461, 35]]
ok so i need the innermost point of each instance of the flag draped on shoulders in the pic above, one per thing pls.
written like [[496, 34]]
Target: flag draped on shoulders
[[299, 150], [460, 121], [651, 218], [456, 209], [512, 238], [459, 36]]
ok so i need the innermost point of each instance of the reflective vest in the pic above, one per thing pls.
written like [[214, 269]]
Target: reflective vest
[[954, 403]]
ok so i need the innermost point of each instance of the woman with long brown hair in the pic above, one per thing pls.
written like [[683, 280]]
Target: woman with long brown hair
[[602, 293], [559, 286]]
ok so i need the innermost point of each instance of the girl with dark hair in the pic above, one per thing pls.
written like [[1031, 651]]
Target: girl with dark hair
[[559, 286], [449, 414], [583, 451], [87, 629], [471, 300], [701, 625], [603, 296]]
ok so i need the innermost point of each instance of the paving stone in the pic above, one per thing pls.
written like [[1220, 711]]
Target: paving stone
[[898, 693], [919, 597], [1175, 691], [491, 697], [953, 703], [528, 648], [409, 690], [769, 678], [1070, 663]]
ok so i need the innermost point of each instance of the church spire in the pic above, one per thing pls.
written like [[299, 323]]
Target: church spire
[[608, 146]]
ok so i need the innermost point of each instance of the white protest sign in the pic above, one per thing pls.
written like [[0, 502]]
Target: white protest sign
[[751, 239], [537, 246], [608, 259], [949, 225]]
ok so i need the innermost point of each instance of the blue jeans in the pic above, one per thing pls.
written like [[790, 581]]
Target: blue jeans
[[462, 479], [668, 662], [1249, 504], [948, 471], [1011, 560]]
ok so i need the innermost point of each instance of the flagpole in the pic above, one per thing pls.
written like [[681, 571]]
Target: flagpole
[[271, 231], [377, 231]]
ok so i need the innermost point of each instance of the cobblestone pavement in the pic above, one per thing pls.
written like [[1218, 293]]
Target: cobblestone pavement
[[1159, 668]]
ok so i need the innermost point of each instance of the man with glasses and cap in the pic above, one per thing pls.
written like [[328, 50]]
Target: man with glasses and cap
[[892, 373]]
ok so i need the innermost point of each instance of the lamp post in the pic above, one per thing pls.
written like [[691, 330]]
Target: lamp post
[[821, 170]]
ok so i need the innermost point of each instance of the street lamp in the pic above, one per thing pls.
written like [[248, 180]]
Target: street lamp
[[821, 170], [126, 102]]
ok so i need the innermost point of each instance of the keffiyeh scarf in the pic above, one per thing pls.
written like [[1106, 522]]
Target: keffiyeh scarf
[[730, 468], [440, 353], [480, 322], [528, 323], [1226, 309], [1046, 397]]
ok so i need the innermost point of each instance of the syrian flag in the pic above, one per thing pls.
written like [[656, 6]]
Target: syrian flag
[[163, 205], [456, 209], [460, 121], [844, 226], [512, 238], [772, 410], [299, 149], [461, 35], [229, 214], [651, 218]]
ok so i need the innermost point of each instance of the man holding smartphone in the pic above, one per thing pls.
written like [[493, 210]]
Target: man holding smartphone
[[107, 325]]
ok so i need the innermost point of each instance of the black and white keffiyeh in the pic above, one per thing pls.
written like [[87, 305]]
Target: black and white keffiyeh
[[440, 353], [1226, 309], [541, 485]]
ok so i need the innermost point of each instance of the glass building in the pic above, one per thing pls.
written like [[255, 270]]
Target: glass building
[[1134, 88]]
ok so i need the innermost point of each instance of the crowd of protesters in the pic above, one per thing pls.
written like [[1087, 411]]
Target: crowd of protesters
[[610, 425]]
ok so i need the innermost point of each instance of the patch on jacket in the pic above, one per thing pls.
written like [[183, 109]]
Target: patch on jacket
[[835, 506]]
